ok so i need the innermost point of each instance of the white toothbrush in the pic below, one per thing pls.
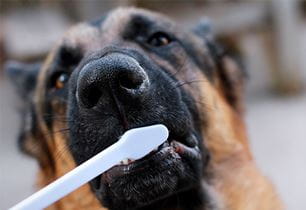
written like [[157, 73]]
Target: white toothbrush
[[134, 144]]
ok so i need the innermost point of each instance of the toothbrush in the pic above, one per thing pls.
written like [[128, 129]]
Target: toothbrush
[[134, 144]]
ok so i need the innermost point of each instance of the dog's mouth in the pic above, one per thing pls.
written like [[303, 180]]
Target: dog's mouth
[[153, 177], [171, 147]]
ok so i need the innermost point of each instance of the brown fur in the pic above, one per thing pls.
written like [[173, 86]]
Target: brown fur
[[236, 177], [82, 198], [238, 183]]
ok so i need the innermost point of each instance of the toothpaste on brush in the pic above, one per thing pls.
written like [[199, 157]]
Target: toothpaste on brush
[[134, 144]]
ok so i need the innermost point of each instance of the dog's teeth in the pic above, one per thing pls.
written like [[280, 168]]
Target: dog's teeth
[[125, 161]]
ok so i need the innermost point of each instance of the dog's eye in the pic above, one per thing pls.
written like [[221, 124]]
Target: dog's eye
[[59, 80], [159, 39]]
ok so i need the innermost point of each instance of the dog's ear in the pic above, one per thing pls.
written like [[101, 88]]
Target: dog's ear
[[227, 57], [232, 78], [23, 76]]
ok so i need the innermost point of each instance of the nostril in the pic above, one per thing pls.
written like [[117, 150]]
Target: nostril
[[91, 96], [114, 74], [130, 81]]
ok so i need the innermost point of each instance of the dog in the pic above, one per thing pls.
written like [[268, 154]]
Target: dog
[[134, 68]]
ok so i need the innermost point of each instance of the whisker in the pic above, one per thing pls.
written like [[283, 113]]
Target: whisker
[[60, 153], [189, 82], [180, 68], [63, 130], [180, 84]]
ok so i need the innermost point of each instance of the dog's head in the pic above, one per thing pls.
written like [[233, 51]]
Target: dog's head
[[129, 69]]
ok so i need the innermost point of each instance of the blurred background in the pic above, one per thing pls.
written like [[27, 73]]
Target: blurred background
[[271, 36]]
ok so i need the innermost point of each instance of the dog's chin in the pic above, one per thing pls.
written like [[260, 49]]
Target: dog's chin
[[172, 168]]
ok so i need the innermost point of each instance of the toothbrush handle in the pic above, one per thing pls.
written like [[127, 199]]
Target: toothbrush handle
[[72, 180]]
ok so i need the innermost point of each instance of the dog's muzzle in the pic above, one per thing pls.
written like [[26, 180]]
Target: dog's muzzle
[[118, 89]]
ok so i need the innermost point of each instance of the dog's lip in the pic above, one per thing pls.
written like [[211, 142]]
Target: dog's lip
[[132, 167]]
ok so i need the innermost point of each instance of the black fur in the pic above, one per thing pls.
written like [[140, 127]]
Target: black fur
[[166, 180], [163, 103]]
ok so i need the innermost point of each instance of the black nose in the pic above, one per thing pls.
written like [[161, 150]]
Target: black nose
[[115, 73]]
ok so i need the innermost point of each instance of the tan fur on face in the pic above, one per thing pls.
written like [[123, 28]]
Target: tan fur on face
[[83, 36], [83, 197], [238, 183], [236, 178]]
